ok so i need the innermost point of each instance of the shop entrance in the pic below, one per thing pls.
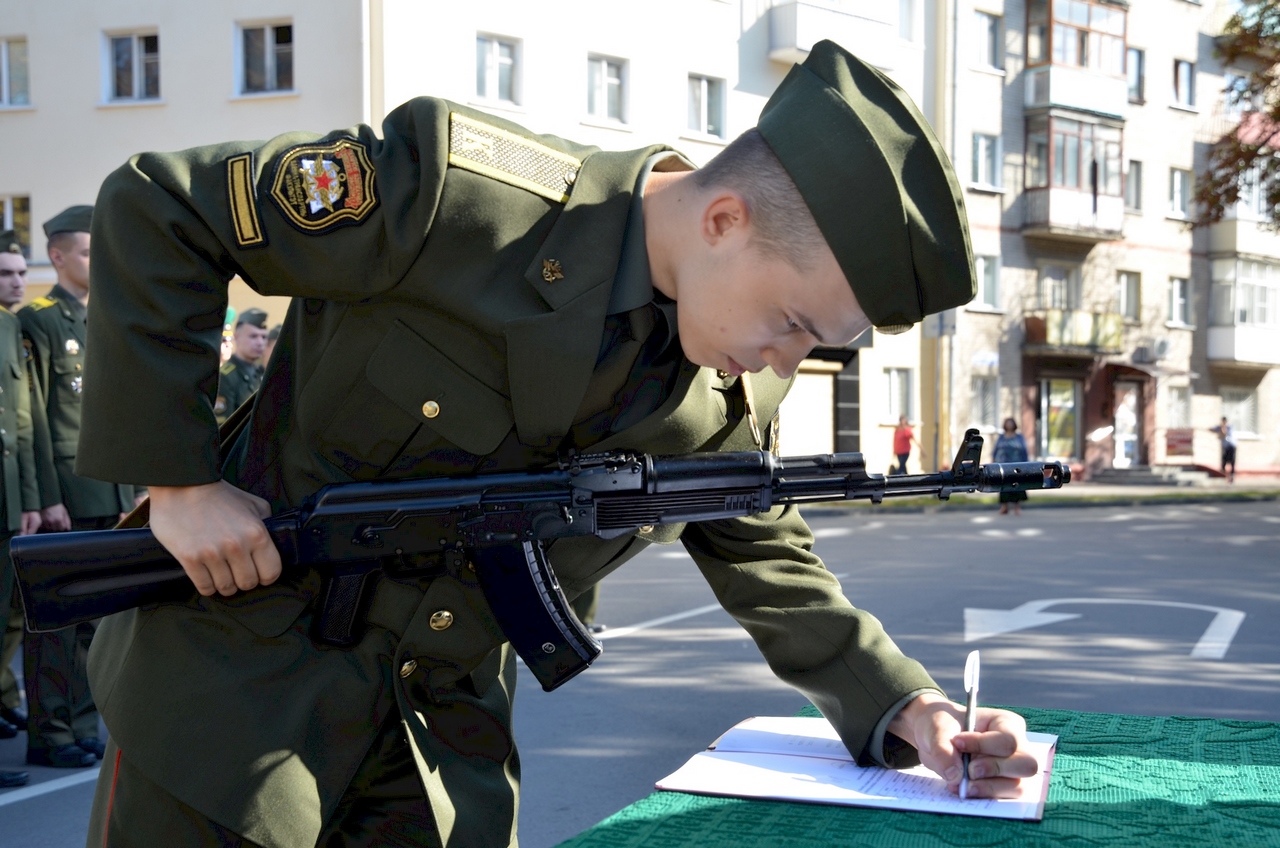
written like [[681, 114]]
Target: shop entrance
[[1128, 414]]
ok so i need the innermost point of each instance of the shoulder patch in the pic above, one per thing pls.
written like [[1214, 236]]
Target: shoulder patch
[[512, 159], [42, 303], [319, 187], [242, 202], [228, 368]]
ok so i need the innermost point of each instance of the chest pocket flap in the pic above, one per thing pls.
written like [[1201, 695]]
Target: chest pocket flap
[[424, 383]]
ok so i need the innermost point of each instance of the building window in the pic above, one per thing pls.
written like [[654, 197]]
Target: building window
[[14, 85], [1184, 83], [1253, 298], [1253, 204], [266, 58], [1240, 408], [1074, 154], [1084, 33], [986, 160], [899, 380], [134, 66], [1236, 97], [1180, 301], [987, 27], [1059, 424], [1179, 192], [497, 69], [15, 214], [988, 268], [605, 88], [706, 105], [1179, 407], [1133, 187], [1059, 287], [1136, 67], [984, 403], [1129, 294]]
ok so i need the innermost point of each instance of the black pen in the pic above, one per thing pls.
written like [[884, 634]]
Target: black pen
[[971, 669]]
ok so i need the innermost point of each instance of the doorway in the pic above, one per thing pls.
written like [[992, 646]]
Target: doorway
[[1128, 415]]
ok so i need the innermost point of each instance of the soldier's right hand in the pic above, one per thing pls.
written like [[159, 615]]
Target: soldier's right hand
[[55, 517], [216, 532]]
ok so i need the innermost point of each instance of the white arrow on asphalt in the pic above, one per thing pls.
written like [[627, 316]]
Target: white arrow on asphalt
[[983, 623]]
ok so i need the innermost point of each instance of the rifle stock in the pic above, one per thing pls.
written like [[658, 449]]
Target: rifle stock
[[497, 521]]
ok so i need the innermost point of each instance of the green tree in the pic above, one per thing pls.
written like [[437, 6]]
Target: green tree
[[1246, 156]]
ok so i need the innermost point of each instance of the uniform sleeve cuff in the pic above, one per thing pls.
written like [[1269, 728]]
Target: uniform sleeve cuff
[[885, 748]]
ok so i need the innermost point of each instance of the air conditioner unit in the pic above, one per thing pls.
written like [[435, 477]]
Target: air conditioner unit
[[1161, 349], [1142, 354]]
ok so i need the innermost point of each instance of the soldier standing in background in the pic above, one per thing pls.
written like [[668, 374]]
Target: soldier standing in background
[[240, 377], [20, 508], [62, 726]]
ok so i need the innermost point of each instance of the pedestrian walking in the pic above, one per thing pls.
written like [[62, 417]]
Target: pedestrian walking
[[1010, 447], [1227, 434], [903, 436]]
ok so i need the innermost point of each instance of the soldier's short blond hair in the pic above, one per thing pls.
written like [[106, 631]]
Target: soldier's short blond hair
[[782, 223]]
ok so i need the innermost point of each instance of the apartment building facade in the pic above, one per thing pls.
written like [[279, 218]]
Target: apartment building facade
[[1114, 333]]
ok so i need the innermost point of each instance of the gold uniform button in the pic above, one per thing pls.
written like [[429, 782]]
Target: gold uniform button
[[408, 668], [441, 620], [78, 366], [647, 528], [431, 409]]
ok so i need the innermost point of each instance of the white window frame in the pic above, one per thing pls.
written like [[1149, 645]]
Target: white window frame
[[1184, 83], [1240, 408], [901, 393], [984, 396], [1129, 295], [1180, 191], [1133, 186], [139, 73], [598, 87], [988, 156], [1180, 294], [987, 268], [6, 217], [705, 123], [6, 81], [489, 82], [271, 71], [988, 41], [1178, 407]]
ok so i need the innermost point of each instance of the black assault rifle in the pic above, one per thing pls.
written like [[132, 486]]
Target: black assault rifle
[[352, 532]]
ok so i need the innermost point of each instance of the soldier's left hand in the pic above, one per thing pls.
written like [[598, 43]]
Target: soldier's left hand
[[30, 523]]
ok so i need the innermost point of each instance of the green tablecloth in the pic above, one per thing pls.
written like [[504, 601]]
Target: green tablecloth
[[1118, 780]]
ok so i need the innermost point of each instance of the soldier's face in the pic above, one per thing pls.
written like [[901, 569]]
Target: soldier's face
[[251, 342], [13, 279], [750, 311], [71, 259]]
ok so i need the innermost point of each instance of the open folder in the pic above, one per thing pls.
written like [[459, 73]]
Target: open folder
[[802, 759]]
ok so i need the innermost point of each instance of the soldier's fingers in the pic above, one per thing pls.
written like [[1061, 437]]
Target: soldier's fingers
[[1020, 764], [995, 787], [243, 570], [200, 577], [266, 559]]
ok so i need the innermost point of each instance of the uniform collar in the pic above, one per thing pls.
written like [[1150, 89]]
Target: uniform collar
[[67, 302]]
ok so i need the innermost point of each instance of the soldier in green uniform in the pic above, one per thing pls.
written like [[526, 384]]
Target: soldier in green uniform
[[20, 508], [241, 375], [63, 721], [469, 296]]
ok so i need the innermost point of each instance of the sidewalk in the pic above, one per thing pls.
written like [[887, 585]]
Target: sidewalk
[[1094, 494]]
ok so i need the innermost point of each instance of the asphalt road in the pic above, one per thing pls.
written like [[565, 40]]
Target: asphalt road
[[1147, 620]]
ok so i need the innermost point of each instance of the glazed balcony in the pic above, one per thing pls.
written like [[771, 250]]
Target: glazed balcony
[[1245, 345], [1082, 89], [1072, 332]]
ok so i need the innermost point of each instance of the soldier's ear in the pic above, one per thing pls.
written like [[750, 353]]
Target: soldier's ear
[[724, 215]]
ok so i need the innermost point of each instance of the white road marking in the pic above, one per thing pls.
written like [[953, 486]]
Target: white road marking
[[982, 623], [28, 792]]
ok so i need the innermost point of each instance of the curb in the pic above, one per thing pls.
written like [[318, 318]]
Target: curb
[[983, 503]]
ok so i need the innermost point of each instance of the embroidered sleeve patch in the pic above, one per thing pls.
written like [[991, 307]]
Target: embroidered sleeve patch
[[322, 186], [242, 200], [501, 155]]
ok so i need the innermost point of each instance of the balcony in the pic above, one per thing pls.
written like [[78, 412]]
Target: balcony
[[1244, 344], [1072, 332], [1077, 88], [1243, 236], [1066, 214], [866, 28]]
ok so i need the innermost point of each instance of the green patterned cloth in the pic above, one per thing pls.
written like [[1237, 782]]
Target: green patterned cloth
[[1118, 780]]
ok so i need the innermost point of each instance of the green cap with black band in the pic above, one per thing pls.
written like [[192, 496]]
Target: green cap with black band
[[73, 219], [878, 184], [9, 242]]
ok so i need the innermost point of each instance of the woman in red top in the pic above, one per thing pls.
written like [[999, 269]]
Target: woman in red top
[[903, 436]]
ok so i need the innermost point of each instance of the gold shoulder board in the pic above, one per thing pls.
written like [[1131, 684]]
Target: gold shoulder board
[[228, 368], [42, 303], [510, 158]]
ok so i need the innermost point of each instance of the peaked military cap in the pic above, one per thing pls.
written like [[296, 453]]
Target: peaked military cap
[[878, 184], [73, 219], [9, 242], [255, 317]]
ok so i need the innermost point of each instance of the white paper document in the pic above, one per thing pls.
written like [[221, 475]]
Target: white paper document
[[802, 759]]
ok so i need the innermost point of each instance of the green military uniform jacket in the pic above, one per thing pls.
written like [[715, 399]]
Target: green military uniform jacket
[[450, 295], [20, 492], [237, 382], [54, 326]]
